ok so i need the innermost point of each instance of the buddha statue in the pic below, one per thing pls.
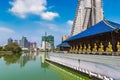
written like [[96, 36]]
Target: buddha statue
[[80, 49], [100, 49], [84, 48], [88, 49], [71, 49], [118, 46], [94, 48], [109, 48], [76, 49]]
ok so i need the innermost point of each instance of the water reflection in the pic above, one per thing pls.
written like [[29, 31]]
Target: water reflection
[[21, 59], [43, 63], [11, 58], [34, 67], [63, 72], [27, 57]]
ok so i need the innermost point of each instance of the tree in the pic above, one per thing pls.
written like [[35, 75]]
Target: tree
[[1, 48], [14, 47]]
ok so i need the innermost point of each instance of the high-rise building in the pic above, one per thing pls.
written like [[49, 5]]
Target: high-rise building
[[89, 13], [47, 42], [24, 42], [20, 43], [33, 45], [50, 40], [10, 40], [16, 41]]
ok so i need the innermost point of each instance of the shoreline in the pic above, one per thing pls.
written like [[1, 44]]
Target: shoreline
[[103, 67], [76, 71]]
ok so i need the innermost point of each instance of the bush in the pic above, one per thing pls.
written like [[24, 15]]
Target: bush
[[1, 48], [14, 47]]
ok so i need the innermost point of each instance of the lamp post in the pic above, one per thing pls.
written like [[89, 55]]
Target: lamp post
[[45, 42], [79, 63]]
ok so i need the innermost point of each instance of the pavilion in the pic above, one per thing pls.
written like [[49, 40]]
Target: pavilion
[[104, 37]]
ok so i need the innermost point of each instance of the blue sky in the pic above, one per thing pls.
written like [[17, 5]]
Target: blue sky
[[32, 18]]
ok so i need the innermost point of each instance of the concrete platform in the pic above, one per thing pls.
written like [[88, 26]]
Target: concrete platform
[[105, 67]]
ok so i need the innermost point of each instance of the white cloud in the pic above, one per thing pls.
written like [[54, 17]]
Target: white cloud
[[70, 22], [49, 15], [22, 8], [4, 30]]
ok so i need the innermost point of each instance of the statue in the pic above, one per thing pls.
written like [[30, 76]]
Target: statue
[[94, 48], [76, 49], [118, 46], [71, 49], [100, 49], [84, 49], [80, 49], [109, 48], [88, 49]]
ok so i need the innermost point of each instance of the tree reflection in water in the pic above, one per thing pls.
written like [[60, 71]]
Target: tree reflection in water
[[11, 59], [21, 59]]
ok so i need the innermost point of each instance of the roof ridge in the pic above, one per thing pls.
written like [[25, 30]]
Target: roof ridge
[[107, 23]]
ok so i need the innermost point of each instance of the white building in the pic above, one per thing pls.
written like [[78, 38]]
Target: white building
[[45, 45], [89, 13]]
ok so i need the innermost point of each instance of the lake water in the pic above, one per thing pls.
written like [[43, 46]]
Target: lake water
[[33, 66]]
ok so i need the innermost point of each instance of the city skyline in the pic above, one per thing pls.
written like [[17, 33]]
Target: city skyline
[[23, 42], [51, 16]]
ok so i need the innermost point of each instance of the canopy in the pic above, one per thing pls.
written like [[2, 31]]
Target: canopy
[[64, 44], [101, 27]]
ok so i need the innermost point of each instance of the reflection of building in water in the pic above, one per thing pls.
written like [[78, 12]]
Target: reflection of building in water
[[43, 63], [65, 73], [42, 57], [26, 57]]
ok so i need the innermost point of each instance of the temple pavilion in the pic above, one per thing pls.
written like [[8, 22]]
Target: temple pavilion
[[102, 38]]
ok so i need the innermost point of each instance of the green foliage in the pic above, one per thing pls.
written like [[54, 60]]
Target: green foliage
[[1, 48], [14, 47], [11, 59]]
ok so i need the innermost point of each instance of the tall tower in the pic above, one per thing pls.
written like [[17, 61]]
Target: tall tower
[[10, 40], [89, 12]]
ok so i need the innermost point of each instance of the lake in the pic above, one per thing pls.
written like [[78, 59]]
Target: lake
[[32, 66]]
